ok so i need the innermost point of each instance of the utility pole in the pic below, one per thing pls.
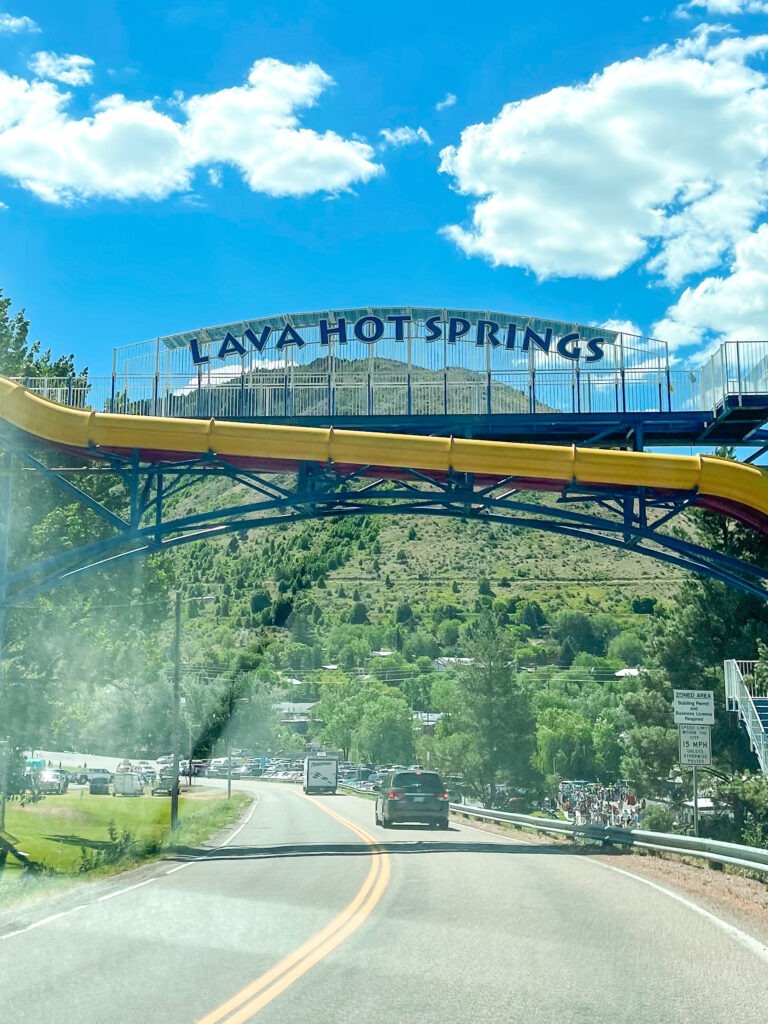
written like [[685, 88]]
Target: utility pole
[[229, 737], [5, 536], [695, 803], [175, 718]]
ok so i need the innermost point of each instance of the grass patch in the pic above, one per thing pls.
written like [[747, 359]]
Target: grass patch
[[77, 834]]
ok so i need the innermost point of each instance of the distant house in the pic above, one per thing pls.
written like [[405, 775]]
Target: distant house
[[295, 714], [441, 664], [428, 720]]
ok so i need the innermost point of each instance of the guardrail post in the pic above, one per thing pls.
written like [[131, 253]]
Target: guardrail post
[[410, 395], [155, 393], [370, 396]]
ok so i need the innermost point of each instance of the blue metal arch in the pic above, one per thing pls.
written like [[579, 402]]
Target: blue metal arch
[[630, 518]]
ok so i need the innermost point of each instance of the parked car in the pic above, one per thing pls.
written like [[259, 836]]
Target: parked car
[[146, 771], [165, 759], [164, 783], [53, 780], [124, 766], [412, 796], [78, 777], [100, 781]]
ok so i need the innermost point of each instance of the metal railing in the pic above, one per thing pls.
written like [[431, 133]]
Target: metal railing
[[296, 392], [739, 692], [753, 858]]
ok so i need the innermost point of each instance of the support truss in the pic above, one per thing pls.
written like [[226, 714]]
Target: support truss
[[628, 518]]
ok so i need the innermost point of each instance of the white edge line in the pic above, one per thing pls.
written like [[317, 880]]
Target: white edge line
[[129, 888], [750, 943], [240, 829], [45, 920], [180, 867]]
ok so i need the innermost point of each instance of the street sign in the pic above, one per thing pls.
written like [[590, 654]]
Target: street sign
[[694, 707], [695, 745]]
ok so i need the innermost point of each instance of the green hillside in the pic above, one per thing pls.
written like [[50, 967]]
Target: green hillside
[[543, 657]]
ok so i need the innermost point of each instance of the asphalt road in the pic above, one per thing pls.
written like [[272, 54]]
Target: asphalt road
[[307, 915]]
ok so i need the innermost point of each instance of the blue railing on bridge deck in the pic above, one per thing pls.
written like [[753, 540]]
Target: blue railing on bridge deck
[[299, 394], [736, 370]]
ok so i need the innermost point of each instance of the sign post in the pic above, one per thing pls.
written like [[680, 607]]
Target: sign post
[[694, 716]]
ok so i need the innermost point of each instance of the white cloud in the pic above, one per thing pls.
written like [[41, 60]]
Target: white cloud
[[128, 149], [449, 101], [622, 327], [404, 136], [725, 6], [734, 305], [11, 24], [214, 176], [67, 67], [659, 158]]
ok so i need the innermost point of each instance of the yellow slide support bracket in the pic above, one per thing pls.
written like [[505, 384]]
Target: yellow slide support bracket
[[736, 489]]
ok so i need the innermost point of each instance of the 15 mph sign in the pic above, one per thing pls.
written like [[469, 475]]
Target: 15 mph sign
[[695, 745], [694, 707]]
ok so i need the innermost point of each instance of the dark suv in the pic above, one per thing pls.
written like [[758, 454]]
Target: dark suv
[[412, 796]]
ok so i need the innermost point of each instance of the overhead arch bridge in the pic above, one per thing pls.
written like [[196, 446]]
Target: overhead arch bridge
[[618, 498]]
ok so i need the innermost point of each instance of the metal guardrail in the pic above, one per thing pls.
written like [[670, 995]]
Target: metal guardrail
[[753, 858]]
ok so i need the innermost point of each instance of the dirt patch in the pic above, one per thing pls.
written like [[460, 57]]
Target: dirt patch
[[199, 792]]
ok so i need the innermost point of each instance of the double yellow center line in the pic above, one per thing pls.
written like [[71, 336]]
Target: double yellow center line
[[254, 997]]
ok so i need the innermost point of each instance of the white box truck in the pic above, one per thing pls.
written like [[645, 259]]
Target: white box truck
[[321, 774], [127, 784]]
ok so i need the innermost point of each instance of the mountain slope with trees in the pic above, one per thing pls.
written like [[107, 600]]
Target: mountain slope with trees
[[514, 638]]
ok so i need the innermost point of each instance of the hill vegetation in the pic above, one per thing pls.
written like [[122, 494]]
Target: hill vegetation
[[516, 641]]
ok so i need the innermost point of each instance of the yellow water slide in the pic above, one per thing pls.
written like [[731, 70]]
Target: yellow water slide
[[733, 488]]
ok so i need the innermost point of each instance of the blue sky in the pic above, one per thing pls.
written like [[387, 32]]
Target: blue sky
[[141, 196]]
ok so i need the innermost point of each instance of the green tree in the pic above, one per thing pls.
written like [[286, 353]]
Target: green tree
[[627, 648], [650, 753], [492, 711], [19, 358], [564, 745], [385, 731], [358, 614], [531, 615]]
